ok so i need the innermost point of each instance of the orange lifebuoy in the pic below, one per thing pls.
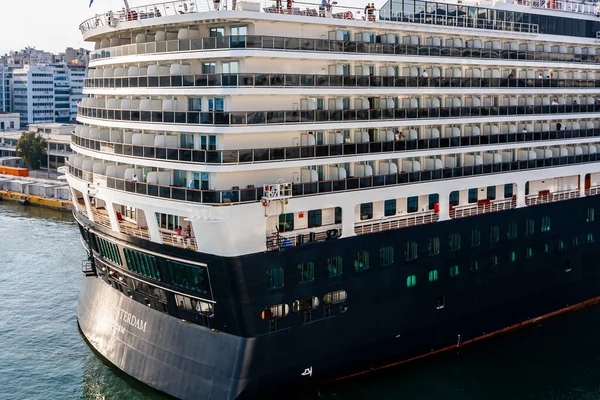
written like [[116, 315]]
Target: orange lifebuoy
[[348, 15]]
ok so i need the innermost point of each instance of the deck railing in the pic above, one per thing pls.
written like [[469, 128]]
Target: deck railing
[[396, 222], [295, 153], [592, 191], [279, 241], [550, 197], [286, 117], [295, 44], [291, 81], [172, 239], [483, 208]]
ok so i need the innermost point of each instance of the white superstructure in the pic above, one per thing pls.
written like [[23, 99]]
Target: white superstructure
[[259, 130]]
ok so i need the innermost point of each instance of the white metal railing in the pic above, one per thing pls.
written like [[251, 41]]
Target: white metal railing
[[592, 191], [279, 241], [278, 191], [483, 208], [396, 222], [550, 197], [582, 7], [173, 239]]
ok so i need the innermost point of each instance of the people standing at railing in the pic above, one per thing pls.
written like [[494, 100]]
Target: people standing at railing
[[289, 5], [217, 4], [278, 7], [324, 5], [597, 9]]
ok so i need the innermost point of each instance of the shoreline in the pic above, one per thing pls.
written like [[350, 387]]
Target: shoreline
[[38, 201]]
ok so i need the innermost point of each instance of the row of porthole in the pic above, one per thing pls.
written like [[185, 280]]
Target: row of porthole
[[281, 310]]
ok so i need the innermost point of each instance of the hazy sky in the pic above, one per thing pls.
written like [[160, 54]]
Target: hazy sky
[[54, 25]]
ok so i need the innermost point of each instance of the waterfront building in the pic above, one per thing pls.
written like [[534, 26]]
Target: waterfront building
[[34, 94], [9, 121], [274, 197], [5, 89]]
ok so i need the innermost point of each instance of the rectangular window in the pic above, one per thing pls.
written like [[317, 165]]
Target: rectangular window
[[454, 198], [141, 263], [433, 275], [493, 261], [590, 238], [494, 234], [529, 252], [306, 272], [512, 256], [454, 270], [286, 222], [576, 241], [511, 233], [314, 218], [189, 276], [434, 246], [334, 267], [529, 227], [209, 68], [194, 104], [217, 32], [491, 192], [366, 211], [411, 281], [454, 242], [109, 250], [338, 215], [275, 278], [410, 251], [387, 255], [389, 207], [473, 265], [560, 245], [545, 224], [433, 200], [475, 238], [361, 261], [473, 195], [590, 217], [412, 204], [508, 190]]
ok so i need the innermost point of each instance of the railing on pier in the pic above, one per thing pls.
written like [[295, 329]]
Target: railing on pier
[[545, 196], [396, 222]]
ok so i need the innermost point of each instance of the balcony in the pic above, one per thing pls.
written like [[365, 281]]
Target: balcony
[[295, 153], [290, 81], [255, 194], [483, 207], [396, 222], [279, 241], [545, 196], [171, 238], [334, 46], [293, 117]]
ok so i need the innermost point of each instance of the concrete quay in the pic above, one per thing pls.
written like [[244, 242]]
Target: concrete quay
[[36, 192]]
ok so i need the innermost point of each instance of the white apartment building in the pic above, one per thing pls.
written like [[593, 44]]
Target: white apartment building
[[5, 89], [8, 121], [34, 94]]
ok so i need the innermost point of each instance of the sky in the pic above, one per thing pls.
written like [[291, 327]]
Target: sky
[[54, 25]]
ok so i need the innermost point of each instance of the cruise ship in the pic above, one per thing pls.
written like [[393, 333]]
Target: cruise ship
[[278, 195]]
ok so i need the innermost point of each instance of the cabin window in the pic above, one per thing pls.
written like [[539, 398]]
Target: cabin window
[[366, 211], [389, 207], [286, 222], [454, 242], [512, 230], [529, 227], [493, 261], [433, 200], [491, 192], [195, 305], [411, 281], [305, 304], [410, 251], [475, 238], [545, 224], [512, 256], [217, 32], [590, 217], [529, 252], [590, 238], [473, 195], [338, 215], [494, 234], [141, 263], [473, 265], [433, 275], [275, 278], [209, 68], [454, 198], [576, 241], [412, 204], [334, 267], [306, 272], [189, 276], [545, 248], [109, 250], [241, 30], [276, 311], [434, 246], [454, 270], [508, 190], [315, 218], [560, 245], [339, 296], [387, 255], [361, 261]]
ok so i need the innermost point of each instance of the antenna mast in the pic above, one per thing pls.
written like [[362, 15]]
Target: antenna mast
[[126, 4]]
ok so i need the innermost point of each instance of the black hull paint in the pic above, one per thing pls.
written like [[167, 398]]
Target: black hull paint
[[386, 322]]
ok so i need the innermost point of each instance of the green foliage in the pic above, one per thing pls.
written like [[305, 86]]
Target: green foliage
[[32, 148]]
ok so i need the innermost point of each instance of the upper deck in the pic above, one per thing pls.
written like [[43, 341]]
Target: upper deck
[[552, 17]]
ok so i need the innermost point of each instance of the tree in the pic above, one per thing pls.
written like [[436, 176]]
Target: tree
[[32, 148]]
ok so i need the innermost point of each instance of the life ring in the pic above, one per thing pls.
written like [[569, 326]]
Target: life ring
[[348, 15]]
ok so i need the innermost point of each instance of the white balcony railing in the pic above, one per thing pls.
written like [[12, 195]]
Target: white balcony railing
[[396, 222], [549, 197], [483, 208]]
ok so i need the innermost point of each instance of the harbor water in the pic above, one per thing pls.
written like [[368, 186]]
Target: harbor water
[[43, 355]]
